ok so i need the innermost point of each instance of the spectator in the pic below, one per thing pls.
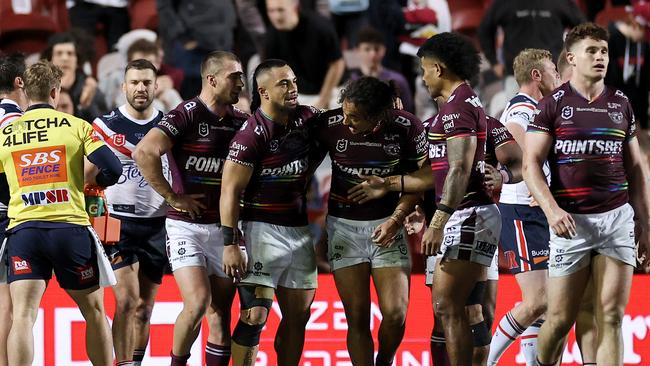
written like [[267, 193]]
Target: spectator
[[65, 103], [629, 52], [191, 29], [348, 18], [112, 14], [167, 96], [526, 24], [88, 102], [371, 51], [387, 17], [310, 46]]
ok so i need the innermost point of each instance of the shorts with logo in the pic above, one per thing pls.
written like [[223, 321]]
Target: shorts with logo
[[609, 233], [432, 260], [350, 243], [142, 241], [524, 237], [472, 234], [279, 256], [70, 251], [195, 245]]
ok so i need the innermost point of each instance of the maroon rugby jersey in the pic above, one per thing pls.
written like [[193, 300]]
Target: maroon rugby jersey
[[497, 135], [201, 139], [395, 148], [276, 192], [586, 160], [461, 116]]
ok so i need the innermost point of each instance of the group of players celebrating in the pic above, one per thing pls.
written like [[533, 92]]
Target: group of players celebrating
[[225, 194]]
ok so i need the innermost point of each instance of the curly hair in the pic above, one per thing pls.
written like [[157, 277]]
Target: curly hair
[[584, 31], [372, 96], [456, 51]]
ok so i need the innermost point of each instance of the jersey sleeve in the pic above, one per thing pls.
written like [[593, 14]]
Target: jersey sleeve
[[417, 146], [498, 133], [632, 125], [544, 117], [462, 123], [519, 114], [245, 147], [90, 138], [173, 124]]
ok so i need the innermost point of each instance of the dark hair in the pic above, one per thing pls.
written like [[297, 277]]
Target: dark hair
[[142, 46], [370, 35], [456, 51], [59, 38], [140, 64], [261, 69], [372, 96], [11, 67], [583, 31], [213, 62]]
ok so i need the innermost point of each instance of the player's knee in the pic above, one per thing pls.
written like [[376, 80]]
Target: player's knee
[[474, 313], [535, 309], [481, 334], [559, 323], [143, 312], [126, 305], [196, 306], [612, 317], [395, 316], [253, 315], [447, 309]]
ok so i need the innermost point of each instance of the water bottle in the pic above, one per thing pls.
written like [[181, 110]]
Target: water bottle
[[94, 202]]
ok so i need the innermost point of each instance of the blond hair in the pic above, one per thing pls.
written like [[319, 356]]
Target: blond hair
[[527, 61], [562, 62], [40, 78]]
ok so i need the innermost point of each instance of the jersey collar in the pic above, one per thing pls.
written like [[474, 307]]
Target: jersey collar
[[38, 106]]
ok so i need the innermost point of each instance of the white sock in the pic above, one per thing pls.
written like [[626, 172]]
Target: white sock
[[507, 332], [529, 342]]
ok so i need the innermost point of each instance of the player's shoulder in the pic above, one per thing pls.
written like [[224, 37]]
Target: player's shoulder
[[238, 114], [558, 95], [404, 120], [615, 95], [330, 118]]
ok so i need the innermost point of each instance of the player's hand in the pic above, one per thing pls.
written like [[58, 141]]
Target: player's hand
[[493, 178], [414, 222], [234, 261], [533, 201], [398, 104], [190, 45], [374, 187], [562, 223], [384, 234], [187, 203], [88, 92], [431, 241]]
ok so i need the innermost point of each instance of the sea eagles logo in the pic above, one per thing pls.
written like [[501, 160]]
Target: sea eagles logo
[[567, 112], [392, 149], [119, 139], [616, 117], [203, 129], [274, 145], [341, 145]]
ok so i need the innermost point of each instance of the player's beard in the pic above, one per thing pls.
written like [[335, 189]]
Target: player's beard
[[140, 107]]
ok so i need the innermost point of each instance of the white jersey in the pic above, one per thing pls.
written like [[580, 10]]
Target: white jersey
[[9, 112], [131, 196], [519, 111]]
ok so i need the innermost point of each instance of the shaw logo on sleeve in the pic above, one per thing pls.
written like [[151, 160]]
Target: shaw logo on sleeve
[[40, 165]]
